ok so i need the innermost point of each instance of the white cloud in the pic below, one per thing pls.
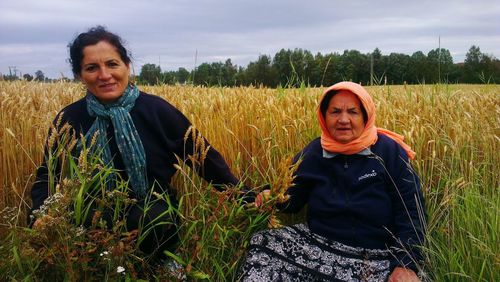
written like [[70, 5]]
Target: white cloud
[[34, 34]]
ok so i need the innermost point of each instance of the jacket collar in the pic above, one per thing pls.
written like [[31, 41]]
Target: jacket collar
[[329, 155]]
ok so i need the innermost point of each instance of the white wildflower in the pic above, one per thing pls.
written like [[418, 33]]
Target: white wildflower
[[44, 208], [120, 269], [80, 231]]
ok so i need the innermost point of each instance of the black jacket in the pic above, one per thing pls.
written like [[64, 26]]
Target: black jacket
[[161, 128]]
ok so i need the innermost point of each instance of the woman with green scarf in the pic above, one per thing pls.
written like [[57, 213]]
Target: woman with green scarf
[[143, 134]]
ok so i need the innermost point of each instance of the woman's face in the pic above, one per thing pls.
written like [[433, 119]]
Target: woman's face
[[344, 118], [103, 72]]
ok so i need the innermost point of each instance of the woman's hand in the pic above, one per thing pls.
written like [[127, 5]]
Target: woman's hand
[[262, 197], [401, 274]]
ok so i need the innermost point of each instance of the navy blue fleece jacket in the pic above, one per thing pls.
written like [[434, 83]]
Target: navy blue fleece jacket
[[371, 200]]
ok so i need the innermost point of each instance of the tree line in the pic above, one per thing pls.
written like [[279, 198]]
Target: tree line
[[293, 68], [38, 76], [297, 67]]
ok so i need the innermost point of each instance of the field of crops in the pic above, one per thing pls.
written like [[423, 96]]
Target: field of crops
[[455, 130]]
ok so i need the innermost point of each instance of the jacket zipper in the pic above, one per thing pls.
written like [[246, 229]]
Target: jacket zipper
[[347, 198]]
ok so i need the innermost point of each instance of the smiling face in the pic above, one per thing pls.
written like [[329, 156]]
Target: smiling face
[[344, 117], [104, 72]]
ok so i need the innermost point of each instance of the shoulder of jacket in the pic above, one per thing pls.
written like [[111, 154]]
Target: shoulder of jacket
[[384, 143], [313, 146], [384, 139], [388, 149], [78, 104], [310, 150], [154, 102], [74, 109], [159, 109]]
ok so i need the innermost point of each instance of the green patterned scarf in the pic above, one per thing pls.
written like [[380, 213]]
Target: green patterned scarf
[[126, 136]]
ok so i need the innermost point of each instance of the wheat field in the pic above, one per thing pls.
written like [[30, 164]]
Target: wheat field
[[455, 130]]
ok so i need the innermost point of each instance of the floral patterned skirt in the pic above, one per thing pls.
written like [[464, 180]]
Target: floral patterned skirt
[[294, 253]]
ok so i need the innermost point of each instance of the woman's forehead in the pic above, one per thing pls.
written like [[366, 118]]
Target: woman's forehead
[[345, 97]]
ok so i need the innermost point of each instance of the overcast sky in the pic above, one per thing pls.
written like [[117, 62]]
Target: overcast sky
[[34, 34]]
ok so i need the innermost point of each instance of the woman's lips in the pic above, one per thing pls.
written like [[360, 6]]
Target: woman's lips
[[108, 86]]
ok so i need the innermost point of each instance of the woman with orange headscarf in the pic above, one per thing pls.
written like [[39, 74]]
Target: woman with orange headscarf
[[365, 218]]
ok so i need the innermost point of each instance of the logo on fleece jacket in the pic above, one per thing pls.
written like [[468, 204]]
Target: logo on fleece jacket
[[367, 175]]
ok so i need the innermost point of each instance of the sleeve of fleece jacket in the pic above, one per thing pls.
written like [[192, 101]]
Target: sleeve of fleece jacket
[[409, 211]]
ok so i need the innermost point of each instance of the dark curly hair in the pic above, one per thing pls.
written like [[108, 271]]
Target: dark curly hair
[[93, 36]]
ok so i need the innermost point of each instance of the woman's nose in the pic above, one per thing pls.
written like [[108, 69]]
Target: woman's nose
[[104, 74], [344, 118]]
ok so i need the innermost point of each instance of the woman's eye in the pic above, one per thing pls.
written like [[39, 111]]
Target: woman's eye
[[90, 68]]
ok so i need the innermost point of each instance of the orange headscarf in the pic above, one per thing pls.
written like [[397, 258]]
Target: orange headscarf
[[369, 135]]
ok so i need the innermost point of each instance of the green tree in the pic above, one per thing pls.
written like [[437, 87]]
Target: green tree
[[229, 73], [355, 67], [440, 64], [474, 55], [490, 69], [241, 76], [329, 66], [150, 74], [302, 62], [281, 63], [472, 64], [379, 66], [295, 67], [317, 70], [169, 77], [261, 72], [39, 75], [398, 65], [28, 77], [215, 74], [418, 68], [202, 74], [480, 67], [182, 75]]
